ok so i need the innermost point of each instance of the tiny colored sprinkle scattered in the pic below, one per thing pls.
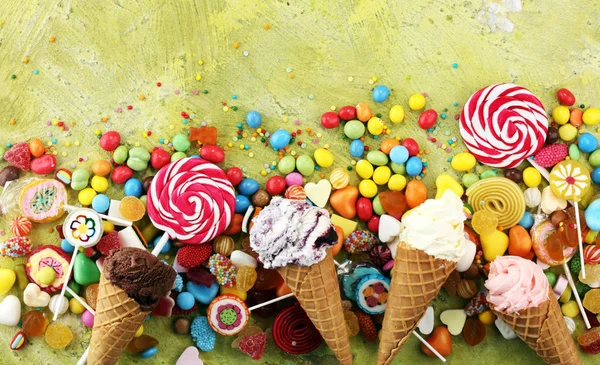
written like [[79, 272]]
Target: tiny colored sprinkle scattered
[[176, 92], [455, 65], [52, 39]]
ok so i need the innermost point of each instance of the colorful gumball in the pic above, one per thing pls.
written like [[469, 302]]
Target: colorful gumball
[[330, 120], [275, 185], [347, 113]]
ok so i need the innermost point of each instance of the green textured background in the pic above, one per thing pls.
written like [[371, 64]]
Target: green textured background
[[107, 53]]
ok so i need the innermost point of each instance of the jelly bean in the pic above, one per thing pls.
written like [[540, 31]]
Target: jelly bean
[[570, 309], [565, 97], [75, 306], [596, 175], [287, 164], [159, 158], [121, 174], [514, 174], [86, 196], [248, 187], [532, 177], [587, 142], [398, 168], [377, 206], [594, 158], [396, 114], [399, 154], [99, 184], [487, 174], [347, 112], [241, 204], [36, 147], [253, 119], [330, 120], [305, 165], [446, 182], [66, 246], [101, 167], [354, 129], [357, 148], [380, 93], [364, 169], [177, 156], [591, 116], [388, 144], [552, 135], [494, 244], [411, 145], [185, 300], [7, 280], [561, 114], [363, 112], [382, 175], [416, 102], [576, 117], [373, 224], [364, 209], [110, 140], [414, 166], [397, 182], [235, 175], [79, 179], [574, 152], [138, 158], [487, 317], [416, 193], [323, 157], [133, 187], [367, 188], [427, 119], [181, 142], [567, 132], [212, 153], [470, 179], [120, 155], [276, 185], [88, 319], [377, 158], [463, 161], [100, 203], [527, 220], [294, 178], [43, 165], [279, 139], [375, 126], [519, 241]]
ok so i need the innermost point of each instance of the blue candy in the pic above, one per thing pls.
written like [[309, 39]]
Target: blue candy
[[178, 284], [133, 187], [201, 293], [201, 332], [241, 204], [100, 203], [592, 215], [148, 353], [279, 139], [587, 142], [185, 300], [596, 175], [66, 246], [253, 119], [414, 166], [165, 248], [399, 154], [248, 187], [357, 148], [380, 93], [527, 220]]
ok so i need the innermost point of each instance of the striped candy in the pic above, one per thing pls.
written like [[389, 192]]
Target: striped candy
[[503, 124], [192, 200], [20, 226], [339, 178], [591, 254], [295, 192]]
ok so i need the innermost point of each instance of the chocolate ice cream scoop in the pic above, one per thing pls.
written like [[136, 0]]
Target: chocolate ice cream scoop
[[140, 274]]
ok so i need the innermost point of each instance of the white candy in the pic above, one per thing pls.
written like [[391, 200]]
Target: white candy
[[389, 228], [505, 330], [465, 261], [240, 258], [58, 303], [550, 202], [533, 197], [33, 296], [10, 311], [570, 324], [426, 323], [393, 245], [455, 320]]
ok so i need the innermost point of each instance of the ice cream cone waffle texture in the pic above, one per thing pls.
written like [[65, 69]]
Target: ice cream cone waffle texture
[[416, 280], [317, 289]]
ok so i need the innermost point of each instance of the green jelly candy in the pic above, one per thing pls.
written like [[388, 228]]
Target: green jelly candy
[[286, 164], [398, 168], [377, 207], [594, 158], [22, 280], [79, 179], [85, 271], [469, 179], [551, 277], [181, 142], [488, 173], [354, 129], [138, 159], [120, 155], [305, 165], [574, 152], [377, 158], [177, 156]]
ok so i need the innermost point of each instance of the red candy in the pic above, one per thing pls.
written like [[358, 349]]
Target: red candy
[[565, 97], [411, 145], [427, 119], [43, 165], [235, 175], [108, 242], [373, 224], [159, 158], [347, 113], [193, 255], [364, 209], [254, 345], [330, 120], [276, 185], [294, 333], [19, 156], [212, 153], [121, 174], [110, 141], [550, 155]]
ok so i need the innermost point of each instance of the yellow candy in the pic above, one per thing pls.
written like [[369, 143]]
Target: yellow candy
[[323, 157], [397, 114], [570, 309], [382, 175], [397, 182], [561, 114], [235, 291], [7, 280], [494, 244], [46, 275], [487, 317], [339, 178], [86, 196], [463, 161], [75, 306], [99, 183], [567, 132], [367, 188], [375, 126], [566, 295], [591, 116], [108, 226], [140, 331], [347, 225], [416, 102], [444, 182], [532, 177], [364, 169]]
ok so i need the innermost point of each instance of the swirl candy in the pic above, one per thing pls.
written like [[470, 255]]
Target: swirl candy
[[228, 315], [191, 200], [503, 124], [500, 196], [294, 332], [42, 200], [570, 180]]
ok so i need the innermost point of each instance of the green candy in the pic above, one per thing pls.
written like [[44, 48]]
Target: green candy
[[79, 179], [377, 207], [551, 277], [377, 158], [575, 264], [85, 271], [488, 173], [143, 199], [177, 156], [582, 288], [354, 129], [469, 179], [181, 142], [286, 164], [138, 159], [75, 287], [22, 279], [305, 165], [594, 158], [120, 155], [398, 168], [574, 152]]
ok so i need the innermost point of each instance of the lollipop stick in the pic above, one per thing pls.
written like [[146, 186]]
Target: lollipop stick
[[160, 244], [81, 301], [429, 346], [119, 221], [271, 301], [84, 357], [576, 294], [577, 220], [66, 283]]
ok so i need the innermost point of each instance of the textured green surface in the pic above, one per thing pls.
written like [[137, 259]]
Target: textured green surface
[[108, 53]]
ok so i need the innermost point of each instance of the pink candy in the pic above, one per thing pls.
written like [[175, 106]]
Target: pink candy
[[294, 178], [88, 319]]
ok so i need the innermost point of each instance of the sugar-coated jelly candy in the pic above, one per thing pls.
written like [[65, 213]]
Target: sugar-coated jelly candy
[[393, 202], [484, 222], [58, 336], [246, 277], [132, 208]]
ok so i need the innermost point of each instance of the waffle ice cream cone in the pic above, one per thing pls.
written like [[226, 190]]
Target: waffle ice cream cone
[[543, 329], [118, 317], [416, 280], [317, 289]]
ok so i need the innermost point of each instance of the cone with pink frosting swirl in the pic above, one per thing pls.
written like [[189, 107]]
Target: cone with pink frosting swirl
[[520, 295]]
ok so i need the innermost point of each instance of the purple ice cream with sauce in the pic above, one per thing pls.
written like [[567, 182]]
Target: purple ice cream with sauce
[[292, 232]]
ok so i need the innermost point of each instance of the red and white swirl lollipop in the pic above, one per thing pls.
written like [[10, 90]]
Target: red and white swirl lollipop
[[503, 124], [191, 200]]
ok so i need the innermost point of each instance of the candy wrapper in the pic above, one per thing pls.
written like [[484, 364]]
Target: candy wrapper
[[39, 200]]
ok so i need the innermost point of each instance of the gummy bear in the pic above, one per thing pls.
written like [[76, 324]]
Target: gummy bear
[[246, 277], [474, 331], [567, 232], [484, 222], [204, 135], [34, 323], [58, 336], [352, 323], [132, 208], [393, 202], [554, 247]]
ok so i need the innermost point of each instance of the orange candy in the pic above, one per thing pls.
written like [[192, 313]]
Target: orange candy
[[204, 135], [440, 340], [235, 226], [416, 193], [363, 112], [282, 289], [519, 242], [343, 201], [393, 202], [576, 117], [340, 243], [36, 147], [101, 167], [388, 144]]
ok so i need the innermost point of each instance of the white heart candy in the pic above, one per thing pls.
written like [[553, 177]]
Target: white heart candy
[[58, 304], [389, 228], [190, 357], [318, 193], [10, 311], [505, 330], [33, 296], [465, 261], [426, 323], [455, 320], [550, 202], [393, 245]]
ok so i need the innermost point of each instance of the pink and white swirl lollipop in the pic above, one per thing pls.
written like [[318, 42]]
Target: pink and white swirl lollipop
[[191, 200], [503, 124]]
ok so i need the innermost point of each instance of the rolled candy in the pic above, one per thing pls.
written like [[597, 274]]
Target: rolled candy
[[43, 200], [228, 315]]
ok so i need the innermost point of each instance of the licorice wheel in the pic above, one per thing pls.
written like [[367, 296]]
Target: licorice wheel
[[294, 333]]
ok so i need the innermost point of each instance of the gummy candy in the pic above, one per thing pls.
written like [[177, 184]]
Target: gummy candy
[[141, 343], [591, 301], [250, 330], [58, 336], [254, 345], [91, 295], [474, 331], [592, 276], [590, 342], [34, 323], [132, 208], [554, 247], [352, 323], [393, 202], [245, 278], [567, 232], [484, 222]]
